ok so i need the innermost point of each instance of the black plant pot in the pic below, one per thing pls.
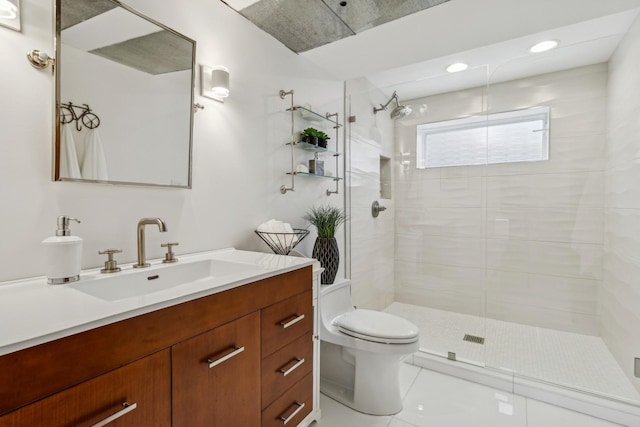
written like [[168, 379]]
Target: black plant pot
[[313, 140], [325, 250], [322, 143]]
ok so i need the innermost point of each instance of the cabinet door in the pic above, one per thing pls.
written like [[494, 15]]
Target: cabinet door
[[135, 395], [216, 376]]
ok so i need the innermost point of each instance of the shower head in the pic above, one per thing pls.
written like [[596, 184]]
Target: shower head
[[399, 112]]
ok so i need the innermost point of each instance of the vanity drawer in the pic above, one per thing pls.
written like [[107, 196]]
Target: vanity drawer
[[292, 407], [285, 321], [285, 367], [143, 385]]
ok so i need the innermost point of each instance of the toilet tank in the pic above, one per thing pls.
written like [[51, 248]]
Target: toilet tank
[[335, 300]]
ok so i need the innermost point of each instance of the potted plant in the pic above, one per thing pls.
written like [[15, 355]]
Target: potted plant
[[310, 136], [322, 139], [326, 219]]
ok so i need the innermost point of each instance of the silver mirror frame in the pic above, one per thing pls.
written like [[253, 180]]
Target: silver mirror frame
[[55, 167]]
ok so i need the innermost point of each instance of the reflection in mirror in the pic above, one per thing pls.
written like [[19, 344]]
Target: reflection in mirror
[[10, 14], [124, 96]]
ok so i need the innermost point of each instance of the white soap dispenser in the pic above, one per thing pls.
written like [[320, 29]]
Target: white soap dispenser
[[63, 254]]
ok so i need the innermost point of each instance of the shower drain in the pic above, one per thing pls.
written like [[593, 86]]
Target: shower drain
[[473, 338]]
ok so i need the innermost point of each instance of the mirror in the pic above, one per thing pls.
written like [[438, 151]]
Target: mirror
[[124, 97]]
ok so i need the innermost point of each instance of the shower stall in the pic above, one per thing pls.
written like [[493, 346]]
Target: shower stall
[[510, 235]]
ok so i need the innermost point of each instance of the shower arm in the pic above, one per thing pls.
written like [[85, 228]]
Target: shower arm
[[384, 107]]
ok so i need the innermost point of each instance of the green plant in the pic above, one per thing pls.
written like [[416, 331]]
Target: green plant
[[326, 219], [310, 132], [322, 135]]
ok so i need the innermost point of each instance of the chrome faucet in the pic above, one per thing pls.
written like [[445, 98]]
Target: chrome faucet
[[145, 221]]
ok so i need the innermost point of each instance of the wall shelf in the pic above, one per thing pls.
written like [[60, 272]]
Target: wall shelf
[[306, 114], [312, 116], [314, 148], [334, 178]]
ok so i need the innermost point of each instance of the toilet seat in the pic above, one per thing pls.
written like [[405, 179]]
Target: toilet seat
[[377, 326]]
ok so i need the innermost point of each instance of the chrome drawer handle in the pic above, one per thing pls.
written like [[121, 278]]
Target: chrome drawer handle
[[285, 420], [296, 319], [126, 409], [235, 351], [286, 372]]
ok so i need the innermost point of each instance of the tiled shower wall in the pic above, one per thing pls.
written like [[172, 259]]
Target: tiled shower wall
[[520, 242], [620, 297]]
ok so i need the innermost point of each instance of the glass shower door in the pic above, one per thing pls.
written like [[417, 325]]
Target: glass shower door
[[547, 284], [434, 222]]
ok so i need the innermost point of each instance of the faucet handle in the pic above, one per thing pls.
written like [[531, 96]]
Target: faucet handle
[[169, 256], [110, 265]]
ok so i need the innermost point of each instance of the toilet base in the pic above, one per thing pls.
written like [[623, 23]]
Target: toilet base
[[364, 381]]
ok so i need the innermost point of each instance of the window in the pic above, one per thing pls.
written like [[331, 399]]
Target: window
[[513, 136]]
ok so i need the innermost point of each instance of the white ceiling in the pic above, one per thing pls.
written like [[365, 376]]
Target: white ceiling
[[589, 42], [410, 54]]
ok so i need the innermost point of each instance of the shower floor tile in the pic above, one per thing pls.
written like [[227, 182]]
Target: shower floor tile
[[569, 359]]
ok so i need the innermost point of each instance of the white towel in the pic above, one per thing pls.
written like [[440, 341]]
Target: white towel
[[69, 166], [94, 165], [272, 226], [275, 226]]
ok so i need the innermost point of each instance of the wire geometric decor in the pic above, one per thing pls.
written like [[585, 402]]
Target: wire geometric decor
[[283, 243]]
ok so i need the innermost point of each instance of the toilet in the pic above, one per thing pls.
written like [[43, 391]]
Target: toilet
[[361, 352]]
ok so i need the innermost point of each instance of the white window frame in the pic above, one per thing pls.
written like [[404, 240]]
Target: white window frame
[[541, 113]]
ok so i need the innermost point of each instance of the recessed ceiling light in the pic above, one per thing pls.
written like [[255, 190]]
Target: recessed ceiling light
[[458, 66], [544, 46]]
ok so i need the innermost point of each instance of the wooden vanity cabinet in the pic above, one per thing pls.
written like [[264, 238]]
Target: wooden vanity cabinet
[[179, 365]]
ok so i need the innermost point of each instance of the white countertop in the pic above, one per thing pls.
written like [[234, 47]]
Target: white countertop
[[33, 312]]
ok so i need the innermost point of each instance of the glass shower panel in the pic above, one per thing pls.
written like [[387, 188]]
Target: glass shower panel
[[545, 226], [434, 214], [372, 240]]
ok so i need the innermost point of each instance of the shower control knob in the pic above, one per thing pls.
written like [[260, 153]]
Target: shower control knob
[[376, 208]]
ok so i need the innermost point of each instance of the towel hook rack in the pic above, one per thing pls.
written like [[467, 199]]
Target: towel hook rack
[[68, 114]]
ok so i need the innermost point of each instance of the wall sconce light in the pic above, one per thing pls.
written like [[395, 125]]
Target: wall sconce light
[[214, 82], [40, 59], [10, 14]]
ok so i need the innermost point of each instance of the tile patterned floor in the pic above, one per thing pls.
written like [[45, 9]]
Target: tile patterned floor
[[433, 399], [569, 359]]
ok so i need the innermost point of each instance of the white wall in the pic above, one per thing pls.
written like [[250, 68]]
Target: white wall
[[372, 239], [620, 298], [521, 242], [239, 153]]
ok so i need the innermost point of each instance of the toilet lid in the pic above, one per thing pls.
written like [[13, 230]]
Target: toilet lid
[[377, 326]]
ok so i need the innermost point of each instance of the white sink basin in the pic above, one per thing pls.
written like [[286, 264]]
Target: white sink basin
[[135, 283]]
